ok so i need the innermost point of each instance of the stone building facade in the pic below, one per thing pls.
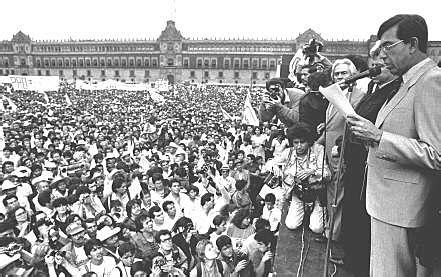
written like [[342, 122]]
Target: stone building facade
[[171, 56]]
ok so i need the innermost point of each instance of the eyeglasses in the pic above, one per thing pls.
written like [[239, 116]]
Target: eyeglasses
[[387, 47]]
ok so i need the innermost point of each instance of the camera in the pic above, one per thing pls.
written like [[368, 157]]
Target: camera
[[312, 48], [272, 181]]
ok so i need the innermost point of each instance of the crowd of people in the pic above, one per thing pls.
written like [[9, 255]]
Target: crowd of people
[[116, 184]]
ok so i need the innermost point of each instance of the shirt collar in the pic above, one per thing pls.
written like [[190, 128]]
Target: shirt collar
[[414, 69]]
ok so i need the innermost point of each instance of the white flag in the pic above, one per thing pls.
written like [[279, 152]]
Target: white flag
[[69, 103], [46, 98], [11, 106], [156, 96], [249, 114], [225, 114]]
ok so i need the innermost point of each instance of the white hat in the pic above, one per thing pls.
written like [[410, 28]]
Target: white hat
[[107, 232], [8, 185], [39, 179], [21, 172]]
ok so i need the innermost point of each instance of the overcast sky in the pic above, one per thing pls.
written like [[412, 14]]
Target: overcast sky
[[95, 19]]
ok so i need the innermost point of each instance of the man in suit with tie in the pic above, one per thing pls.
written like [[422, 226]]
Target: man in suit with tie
[[404, 156], [334, 127]]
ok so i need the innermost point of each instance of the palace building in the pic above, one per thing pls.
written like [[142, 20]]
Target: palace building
[[171, 56]]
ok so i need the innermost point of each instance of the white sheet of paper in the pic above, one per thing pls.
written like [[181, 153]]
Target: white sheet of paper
[[335, 96]]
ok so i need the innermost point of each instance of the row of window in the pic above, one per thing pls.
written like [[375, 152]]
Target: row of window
[[89, 73], [237, 63], [239, 49], [92, 48], [153, 62], [116, 74], [220, 75]]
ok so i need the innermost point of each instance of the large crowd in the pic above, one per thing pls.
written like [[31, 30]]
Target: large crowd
[[116, 184]]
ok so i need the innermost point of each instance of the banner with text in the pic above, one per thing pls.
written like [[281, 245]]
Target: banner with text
[[35, 83]]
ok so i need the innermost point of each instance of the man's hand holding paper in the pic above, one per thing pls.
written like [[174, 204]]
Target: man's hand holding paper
[[336, 97]]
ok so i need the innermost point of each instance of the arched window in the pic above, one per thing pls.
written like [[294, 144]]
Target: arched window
[[116, 62]]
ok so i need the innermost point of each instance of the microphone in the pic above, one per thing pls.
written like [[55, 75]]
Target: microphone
[[371, 72]]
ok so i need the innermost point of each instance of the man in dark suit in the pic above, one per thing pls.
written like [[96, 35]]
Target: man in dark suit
[[355, 220], [404, 151]]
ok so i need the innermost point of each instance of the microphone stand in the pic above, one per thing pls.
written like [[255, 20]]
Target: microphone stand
[[334, 204]]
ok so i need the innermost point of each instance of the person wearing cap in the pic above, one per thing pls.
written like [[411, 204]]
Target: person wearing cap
[[75, 254], [59, 187], [109, 237]]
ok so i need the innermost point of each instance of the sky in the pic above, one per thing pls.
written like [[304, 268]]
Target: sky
[[283, 19]]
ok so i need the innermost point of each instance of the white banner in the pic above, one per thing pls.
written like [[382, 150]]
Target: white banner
[[35, 83], [111, 84]]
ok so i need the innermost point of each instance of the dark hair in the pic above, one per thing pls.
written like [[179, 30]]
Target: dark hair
[[409, 25], [44, 197], [222, 241], [59, 202], [140, 266], [117, 183], [7, 197], [270, 197], [165, 204], [239, 216], [90, 244], [140, 220], [206, 198], [156, 177], [161, 233], [317, 79], [193, 187], [82, 190], [130, 205], [265, 236], [152, 210], [240, 184], [300, 130], [126, 247], [261, 224], [182, 222], [218, 219]]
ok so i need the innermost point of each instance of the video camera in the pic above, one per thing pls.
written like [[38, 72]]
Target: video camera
[[311, 49]]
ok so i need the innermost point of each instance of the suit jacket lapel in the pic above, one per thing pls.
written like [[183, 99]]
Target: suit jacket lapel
[[387, 108]]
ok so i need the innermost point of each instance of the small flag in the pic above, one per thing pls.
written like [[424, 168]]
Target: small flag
[[156, 96], [69, 103], [11, 106], [225, 114], [46, 98], [249, 114]]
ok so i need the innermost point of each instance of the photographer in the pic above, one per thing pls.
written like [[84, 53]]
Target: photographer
[[302, 171], [308, 54], [280, 102]]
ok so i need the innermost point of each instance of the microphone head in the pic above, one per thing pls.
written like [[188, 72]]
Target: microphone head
[[374, 71]]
